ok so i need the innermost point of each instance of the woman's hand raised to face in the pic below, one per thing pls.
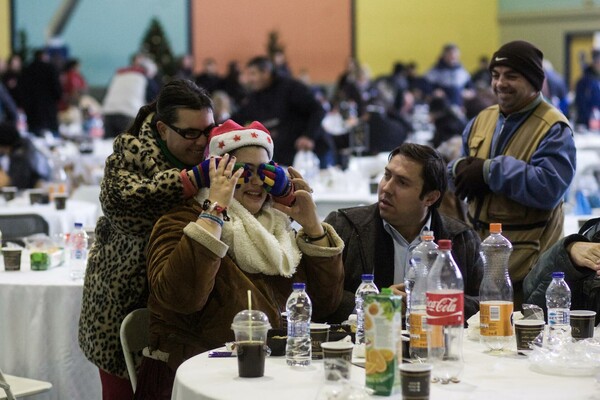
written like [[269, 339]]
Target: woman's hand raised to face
[[304, 210], [223, 180]]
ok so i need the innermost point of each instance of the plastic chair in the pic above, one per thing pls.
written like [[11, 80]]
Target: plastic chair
[[15, 227], [16, 387], [134, 338]]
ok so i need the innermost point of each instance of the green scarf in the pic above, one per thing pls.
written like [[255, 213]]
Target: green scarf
[[165, 150]]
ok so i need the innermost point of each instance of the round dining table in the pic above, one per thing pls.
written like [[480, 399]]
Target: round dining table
[[485, 376], [39, 316]]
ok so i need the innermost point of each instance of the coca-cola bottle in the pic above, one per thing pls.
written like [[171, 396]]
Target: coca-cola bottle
[[445, 316]]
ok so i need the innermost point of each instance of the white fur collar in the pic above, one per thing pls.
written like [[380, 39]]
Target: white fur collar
[[263, 244]]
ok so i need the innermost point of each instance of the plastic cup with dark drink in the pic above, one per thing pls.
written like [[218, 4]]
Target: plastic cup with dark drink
[[60, 201], [38, 196], [526, 330], [337, 358], [415, 380], [250, 328], [319, 333], [9, 192], [12, 259], [582, 324]]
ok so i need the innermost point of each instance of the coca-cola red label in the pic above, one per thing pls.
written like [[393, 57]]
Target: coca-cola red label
[[445, 308]]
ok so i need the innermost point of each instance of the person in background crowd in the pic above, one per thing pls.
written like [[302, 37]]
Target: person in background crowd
[[519, 160], [418, 85], [40, 90], [280, 64], [587, 91], [185, 69], [449, 75], [73, 84], [555, 88], [8, 108], [149, 172], [222, 103], [125, 95], [21, 164], [231, 84], [11, 77], [202, 260], [446, 121], [209, 78], [578, 256], [378, 237], [482, 77], [287, 108]]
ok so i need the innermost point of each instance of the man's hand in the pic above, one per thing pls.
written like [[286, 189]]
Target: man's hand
[[469, 180], [585, 254], [399, 290]]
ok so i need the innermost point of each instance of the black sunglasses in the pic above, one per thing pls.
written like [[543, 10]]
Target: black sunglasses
[[191, 133]]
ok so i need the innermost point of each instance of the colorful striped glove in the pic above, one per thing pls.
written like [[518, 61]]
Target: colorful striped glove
[[276, 183]]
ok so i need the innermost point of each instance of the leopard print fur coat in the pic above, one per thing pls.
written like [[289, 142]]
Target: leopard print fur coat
[[138, 187]]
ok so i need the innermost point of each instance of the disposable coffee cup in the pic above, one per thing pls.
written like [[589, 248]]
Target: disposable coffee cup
[[526, 330], [12, 259], [9, 192], [60, 201], [337, 358], [250, 328], [416, 380], [38, 196], [319, 333], [582, 324]]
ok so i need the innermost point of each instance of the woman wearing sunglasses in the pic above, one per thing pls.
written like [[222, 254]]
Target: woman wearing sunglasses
[[149, 172]]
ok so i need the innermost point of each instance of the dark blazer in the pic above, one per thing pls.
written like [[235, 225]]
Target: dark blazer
[[370, 249]]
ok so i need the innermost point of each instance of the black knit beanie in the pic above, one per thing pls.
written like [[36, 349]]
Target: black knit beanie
[[524, 58]]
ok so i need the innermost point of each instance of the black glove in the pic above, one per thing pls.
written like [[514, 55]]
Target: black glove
[[469, 181]]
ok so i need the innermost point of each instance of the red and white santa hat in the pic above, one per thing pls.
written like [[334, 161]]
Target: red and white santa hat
[[230, 136]]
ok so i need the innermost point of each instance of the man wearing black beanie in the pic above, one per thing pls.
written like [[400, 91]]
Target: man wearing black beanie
[[519, 159]]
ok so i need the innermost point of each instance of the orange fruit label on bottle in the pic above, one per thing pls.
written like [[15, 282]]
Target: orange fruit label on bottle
[[496, 318]]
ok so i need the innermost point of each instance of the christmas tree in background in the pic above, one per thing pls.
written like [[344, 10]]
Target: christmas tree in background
[[156, 44]]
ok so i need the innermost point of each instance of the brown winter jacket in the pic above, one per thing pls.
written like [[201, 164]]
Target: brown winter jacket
[[196, 288]]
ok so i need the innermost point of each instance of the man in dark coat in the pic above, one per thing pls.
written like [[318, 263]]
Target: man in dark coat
[[287, 108], [378, 237], [40, 92]]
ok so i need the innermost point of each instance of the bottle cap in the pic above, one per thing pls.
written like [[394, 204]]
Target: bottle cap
[[495, 227], [78, 225], [367, 277], [427, 235], [386, 290], [299, 286], [445, 244], [558, 275]]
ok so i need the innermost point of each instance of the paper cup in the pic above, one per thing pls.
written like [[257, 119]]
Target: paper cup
[[337, 358], [12, 259], [526, 330], [416, 380], [582, 324], [319, 333]]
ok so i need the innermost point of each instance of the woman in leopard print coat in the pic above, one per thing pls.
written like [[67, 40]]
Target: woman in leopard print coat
[[143, 179]]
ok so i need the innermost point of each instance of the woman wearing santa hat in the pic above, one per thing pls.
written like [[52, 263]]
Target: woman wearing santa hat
[[234, 236]]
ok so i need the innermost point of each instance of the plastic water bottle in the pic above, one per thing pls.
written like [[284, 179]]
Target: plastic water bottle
[[365, 288], [78, 248], [426, 252], [307, 163], [417, 313], [558, 303], [445, 316], [496, 291], [299, 310]]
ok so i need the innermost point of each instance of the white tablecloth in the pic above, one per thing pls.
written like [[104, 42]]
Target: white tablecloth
[[39, 314], [59, 221], [484, 377]]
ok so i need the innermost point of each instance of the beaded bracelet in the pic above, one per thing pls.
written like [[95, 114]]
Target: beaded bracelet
[[210, 206], [213, 218]]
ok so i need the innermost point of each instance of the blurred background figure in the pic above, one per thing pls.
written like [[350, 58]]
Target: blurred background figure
[[587, 94], [280, 64], [482, 77], [555, 88], [448, 124], [185, 68], [40, 92], [222, 106], [209, 79], [449, 74], [21, 164], [10, 77]]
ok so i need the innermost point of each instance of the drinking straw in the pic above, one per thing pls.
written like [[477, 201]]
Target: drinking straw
[[249, 313]]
